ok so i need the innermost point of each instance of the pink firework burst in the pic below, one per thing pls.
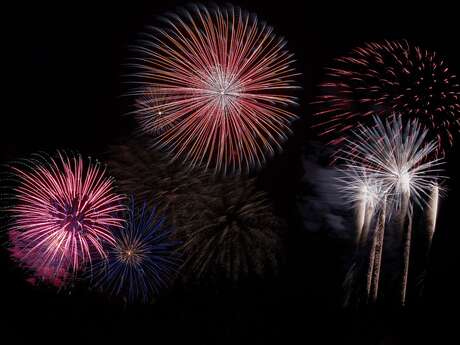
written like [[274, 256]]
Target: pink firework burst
[[64, 215], [381, 78], [50, 272], [215, 87]]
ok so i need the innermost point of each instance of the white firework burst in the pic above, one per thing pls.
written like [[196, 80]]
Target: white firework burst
[[391, 165], [398, 156], [365, 195], [358, 186]]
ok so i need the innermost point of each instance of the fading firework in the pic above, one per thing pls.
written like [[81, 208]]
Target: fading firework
[[390, 76], [141, 261], [53, 272], [230, 231], [65, 211], [215, 85], [146, 175]]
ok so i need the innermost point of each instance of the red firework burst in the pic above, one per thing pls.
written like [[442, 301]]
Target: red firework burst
[[386, 77], [64, 214], [215, 86]]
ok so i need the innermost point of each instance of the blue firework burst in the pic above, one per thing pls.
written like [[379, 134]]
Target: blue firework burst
[[143, 259]]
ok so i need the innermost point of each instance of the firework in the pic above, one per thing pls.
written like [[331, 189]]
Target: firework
[[364, 193], [432, 213], [214, 87], [400, 158], [377, 253], [53, 272], [141, 261], [406, 256], [230, 231], [145, 174], [385, 77], [64, 213], [154, 103]]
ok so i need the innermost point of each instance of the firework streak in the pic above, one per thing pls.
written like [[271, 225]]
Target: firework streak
[[230, 231], [377, 254], [432, 213]]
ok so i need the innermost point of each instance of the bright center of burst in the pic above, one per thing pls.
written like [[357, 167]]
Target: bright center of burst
[[404, 181], [224, 86]]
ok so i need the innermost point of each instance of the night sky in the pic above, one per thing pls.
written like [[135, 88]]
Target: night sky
[[63, 89]]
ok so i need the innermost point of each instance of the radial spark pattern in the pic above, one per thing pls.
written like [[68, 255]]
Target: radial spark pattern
[[356, 186], [142, 260], [65, 211], [379, 78], [230, 231], [214, 86], [397, 156]]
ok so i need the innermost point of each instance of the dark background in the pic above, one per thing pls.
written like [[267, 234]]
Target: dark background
[[62, 78]]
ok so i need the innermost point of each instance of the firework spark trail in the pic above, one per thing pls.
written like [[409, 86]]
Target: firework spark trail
[[406, 258], [404, 212], [369, 213], [405, 231], [148, 176], [360, 216], [362, 192], [65, 212], [377, 260], [364, 240], [229, 231], [370, 264], [390, 76], [227, 78], [432, 213]]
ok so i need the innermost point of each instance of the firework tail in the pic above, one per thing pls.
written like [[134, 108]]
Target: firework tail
[[378, 252], [375, 256], [364, 213], [364, 240], [360, 213], [371, 261], [432, 214], [403, 212], [407, 235], [369, 211]]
